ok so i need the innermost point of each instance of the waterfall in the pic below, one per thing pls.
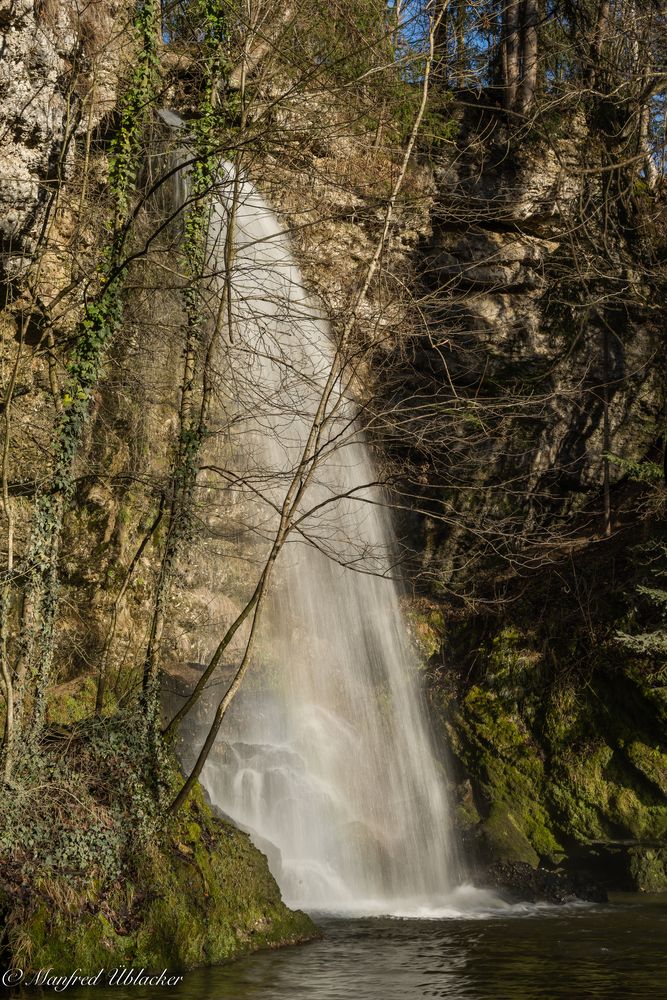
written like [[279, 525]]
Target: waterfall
[[325, 755]]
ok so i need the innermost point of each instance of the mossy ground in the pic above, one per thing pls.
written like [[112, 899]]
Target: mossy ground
[[94, 873], [200, 895]]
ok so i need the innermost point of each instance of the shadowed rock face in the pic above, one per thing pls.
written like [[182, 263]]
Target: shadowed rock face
[[532, 308], [518, 881]]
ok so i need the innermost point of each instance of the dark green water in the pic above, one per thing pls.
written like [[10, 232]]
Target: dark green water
[[616, 952]]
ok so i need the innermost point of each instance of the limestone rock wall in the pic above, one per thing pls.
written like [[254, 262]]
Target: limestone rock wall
[[58, 76]]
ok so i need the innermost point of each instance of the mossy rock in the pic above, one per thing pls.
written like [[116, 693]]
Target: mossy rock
[[648, 869], [511, 661], [568, 717], [594, 791], [503, 838], [71, 702], [201, 895], [509, 773], [426, 623], [467, 816], [557, 727], [651, 762]]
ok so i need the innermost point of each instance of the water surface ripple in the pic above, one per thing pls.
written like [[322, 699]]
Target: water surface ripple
[[613, 952]]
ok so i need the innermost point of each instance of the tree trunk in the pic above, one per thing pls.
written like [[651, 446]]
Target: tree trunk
[[510, 55], [606, 432], [593, 68], [528, 85], [650, 168], [461, 52]]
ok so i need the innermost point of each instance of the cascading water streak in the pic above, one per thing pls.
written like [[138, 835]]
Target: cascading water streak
[[325, 758]]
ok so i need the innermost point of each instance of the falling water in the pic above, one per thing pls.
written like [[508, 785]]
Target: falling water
[[325, 757]]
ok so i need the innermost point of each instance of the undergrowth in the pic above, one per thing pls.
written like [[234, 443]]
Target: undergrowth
[[81, 802]]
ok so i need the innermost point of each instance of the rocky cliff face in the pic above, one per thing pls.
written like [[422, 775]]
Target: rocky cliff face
[[541, 371], [58, 79], [542, 374]]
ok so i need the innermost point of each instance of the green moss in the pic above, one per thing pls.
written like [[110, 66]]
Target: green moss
[[498, 750], [74, 701], [558, 727], [56, 941], [651, 762], [567, 718], [593, 790], [648, 868], [427, 626], [491, 723], [71, 702], [504, 837], [514, 671], [106, 878], [467, 816], [202, 895]]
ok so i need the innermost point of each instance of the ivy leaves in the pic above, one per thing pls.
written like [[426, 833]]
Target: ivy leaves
[[102, 318]]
